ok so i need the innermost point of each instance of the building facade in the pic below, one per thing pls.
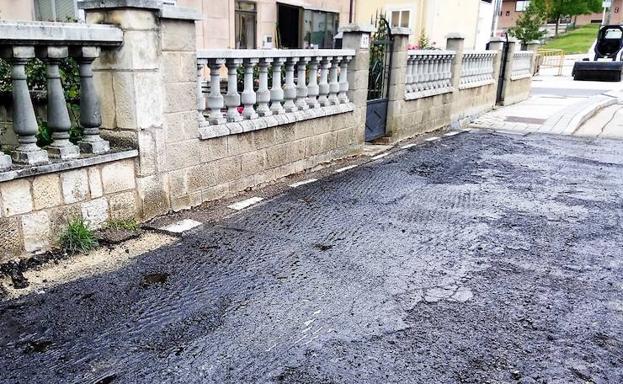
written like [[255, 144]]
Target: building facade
[[512, 10], [434, 19]]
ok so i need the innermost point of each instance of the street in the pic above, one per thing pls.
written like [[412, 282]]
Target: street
[[475, 258]]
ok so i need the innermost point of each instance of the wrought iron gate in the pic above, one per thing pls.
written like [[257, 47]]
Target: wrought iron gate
[[378, 80]]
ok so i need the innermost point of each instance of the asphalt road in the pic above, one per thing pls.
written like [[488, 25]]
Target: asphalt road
[[477, 258]]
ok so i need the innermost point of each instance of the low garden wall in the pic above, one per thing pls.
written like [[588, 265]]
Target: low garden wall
[[163, 127]]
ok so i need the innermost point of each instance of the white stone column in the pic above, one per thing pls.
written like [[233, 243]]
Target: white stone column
[[263, 93], [343, 95], [323, 98], [334, 85], [301, 85], [289, 89], [276, 92], [248, 95], [232, 99], [312, 83], [201, 100], [215, 99]]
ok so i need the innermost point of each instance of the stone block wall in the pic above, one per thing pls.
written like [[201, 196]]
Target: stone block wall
[[471, 102], [35, 210], [517, 90]]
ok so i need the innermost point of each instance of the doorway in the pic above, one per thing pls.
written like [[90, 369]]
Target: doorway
[[288, 26]]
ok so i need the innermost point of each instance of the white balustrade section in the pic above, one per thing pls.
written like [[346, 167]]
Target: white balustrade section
[[522, 65], [266, 88], [429, 73], [477, 69]]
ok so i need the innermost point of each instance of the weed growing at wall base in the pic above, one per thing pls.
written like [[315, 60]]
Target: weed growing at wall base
[[77, 238]]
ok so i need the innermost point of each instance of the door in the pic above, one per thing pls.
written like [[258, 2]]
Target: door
[[378, 80]]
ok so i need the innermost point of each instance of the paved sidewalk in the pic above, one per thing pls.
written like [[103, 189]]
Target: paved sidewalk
[[558, 105], [473, 258]]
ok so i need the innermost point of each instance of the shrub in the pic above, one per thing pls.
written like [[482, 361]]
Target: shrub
[[77, 238]]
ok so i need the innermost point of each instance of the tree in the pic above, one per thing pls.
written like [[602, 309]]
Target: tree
[[557, 9], [530, 23]]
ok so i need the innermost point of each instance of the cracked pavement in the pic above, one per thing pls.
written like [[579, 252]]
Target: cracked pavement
[[478, 258]]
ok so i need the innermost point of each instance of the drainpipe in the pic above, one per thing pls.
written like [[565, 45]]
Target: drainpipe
[[350, 12]]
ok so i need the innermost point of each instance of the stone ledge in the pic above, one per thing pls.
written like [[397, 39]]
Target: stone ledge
[[205, 54], [47, 33], [477, 84], [520, 77], [65, 165], [213, 131], [428, 93]]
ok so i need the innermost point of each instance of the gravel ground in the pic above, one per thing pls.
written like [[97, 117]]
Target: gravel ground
[[479, 258]]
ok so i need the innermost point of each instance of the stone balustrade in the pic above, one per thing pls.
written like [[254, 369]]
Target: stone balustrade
[[477, 69], [52, 43], [522, 65], [304, 84], [429, 73]]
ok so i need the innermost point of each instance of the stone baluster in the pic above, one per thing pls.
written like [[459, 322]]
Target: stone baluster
[[24, 120], [215, 100], [409, 77], [90, 111], [419, 76], [344, 86], [438, 71], [57, 113], [325, 64], [276, 92], [248, 95], [334, 85], [416, 74], [232, 98], [426, 72], [289, 89], [448, 71], [201, 100], [312, 83], [301, 84], [263, 93]]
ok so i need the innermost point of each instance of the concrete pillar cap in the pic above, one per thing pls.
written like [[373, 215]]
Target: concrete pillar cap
[[364, 28]]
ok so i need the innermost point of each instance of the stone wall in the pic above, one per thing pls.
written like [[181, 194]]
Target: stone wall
[[517, 90], [36, 209]]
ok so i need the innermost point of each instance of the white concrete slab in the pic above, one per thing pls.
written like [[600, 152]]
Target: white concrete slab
[[345, 169], [181, 226], [245, 203], [301, 183]]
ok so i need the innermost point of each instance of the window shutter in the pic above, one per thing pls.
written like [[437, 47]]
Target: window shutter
[[44, 10], [65, 10]]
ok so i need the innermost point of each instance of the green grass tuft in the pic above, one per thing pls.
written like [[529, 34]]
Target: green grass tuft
[[77, 238], [576, 41], [127, 224]]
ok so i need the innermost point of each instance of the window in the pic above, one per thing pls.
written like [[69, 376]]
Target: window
[[319, 28], [522, 5], [56, 10], [245, 24], [401, 19]]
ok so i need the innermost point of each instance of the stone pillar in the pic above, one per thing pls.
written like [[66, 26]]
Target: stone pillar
[[512, 47], [357, 37], [148, 90], [534, 47], [397, 79], [496, 44], [456, 42]]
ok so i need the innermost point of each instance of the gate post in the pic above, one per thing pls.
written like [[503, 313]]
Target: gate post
[[397, 78], [357, 37], [456, 42], [508, 65]]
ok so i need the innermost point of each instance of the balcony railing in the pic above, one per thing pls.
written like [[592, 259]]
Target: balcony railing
[[52, 43], [304, 84], [429, 72]]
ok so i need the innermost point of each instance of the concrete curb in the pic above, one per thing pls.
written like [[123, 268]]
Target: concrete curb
[[571, 118]]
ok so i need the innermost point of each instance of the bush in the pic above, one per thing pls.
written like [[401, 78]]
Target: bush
[[36, 70], [77, 238]]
